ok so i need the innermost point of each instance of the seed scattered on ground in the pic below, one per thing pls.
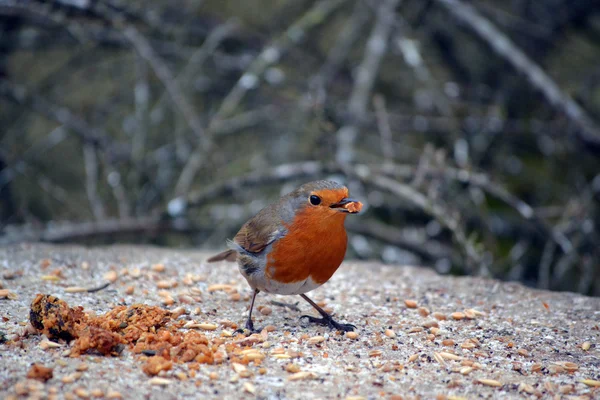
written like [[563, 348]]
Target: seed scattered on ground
[[390, 333], [82, 393], [7, 294], [423, 311], [352, 335], [458, 315], [82, 367], [158, 268], [523, 352], [590, 382], [490, 382], [75, 289], [450, 356], [71, 377], [439, 316], [586, 346], [249, 387], [111, 276], [375, 353], [158, 381], [437, 357], [266, 310], [48, 344], [218, 287], [292, 368], [302, 375], [410, 303], [448, 342], [466, 370], [316, 339], [166, 284]]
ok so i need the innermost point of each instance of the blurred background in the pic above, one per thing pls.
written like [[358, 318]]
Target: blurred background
[[470, 129]]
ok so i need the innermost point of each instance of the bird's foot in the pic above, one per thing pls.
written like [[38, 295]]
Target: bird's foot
[[330, 322], [248, 329]]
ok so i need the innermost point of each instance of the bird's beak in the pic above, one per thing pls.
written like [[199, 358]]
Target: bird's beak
[[347, 205]]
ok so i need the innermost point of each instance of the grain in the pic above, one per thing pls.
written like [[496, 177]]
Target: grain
[[302, 375], [249, 387], [375, 353], [158, 268], [352, 335], [390, 333], [585, 346], [48, 344], [458, 315], [111, 276], [423, 311], [218, 287], [448, 342], [316, 340], [82, 393], [166, 284], [439, 316], [7, 294], [71, 377], [590, 382], [523, 352], [113, 394], [489, 382], [157, 381], [437, 357], [450, 356], [466, 370], [75, 289], [266, 310], [292, 368], [410, 303]]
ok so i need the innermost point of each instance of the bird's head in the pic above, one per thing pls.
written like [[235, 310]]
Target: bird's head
[[323, 199]]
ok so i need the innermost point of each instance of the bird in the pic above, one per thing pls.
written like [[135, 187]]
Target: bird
[[295, 245]]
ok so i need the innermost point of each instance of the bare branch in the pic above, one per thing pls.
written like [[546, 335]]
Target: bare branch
[[274, 51], [163, 73], [91, 182], [374, 52], [505, 48]]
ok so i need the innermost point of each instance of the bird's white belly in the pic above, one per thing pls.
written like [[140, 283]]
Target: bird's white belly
[[259, 280]]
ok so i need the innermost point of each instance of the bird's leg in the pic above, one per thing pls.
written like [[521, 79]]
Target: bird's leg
[[249, 324], [327, 320]]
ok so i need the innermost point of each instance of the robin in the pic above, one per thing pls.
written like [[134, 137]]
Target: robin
[[295, 245]]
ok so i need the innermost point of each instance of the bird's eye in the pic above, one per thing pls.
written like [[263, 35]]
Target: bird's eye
[[314, 200]]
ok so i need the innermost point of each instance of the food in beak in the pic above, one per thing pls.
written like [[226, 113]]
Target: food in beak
[[348, 205]]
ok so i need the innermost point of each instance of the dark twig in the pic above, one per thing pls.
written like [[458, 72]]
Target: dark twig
[[293, 307], [99, 288], [536, 76]]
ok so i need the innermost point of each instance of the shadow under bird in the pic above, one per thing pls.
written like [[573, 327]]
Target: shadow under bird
[[295, 245]]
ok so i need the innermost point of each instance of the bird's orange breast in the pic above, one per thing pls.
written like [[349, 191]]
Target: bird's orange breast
[[314, 247]]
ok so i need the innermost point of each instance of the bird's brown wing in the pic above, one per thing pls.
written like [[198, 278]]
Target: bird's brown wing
[[260, 231], [256, 234]]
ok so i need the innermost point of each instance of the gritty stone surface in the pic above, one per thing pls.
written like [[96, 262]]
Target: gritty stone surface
[[498, 340]]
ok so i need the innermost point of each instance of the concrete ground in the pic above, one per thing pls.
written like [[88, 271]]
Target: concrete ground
[[420, 335]]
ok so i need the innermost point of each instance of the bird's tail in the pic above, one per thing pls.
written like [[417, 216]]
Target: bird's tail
[[228, 255]]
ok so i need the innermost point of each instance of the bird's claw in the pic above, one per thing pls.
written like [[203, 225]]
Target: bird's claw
[[330, 322], [248, 329]]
